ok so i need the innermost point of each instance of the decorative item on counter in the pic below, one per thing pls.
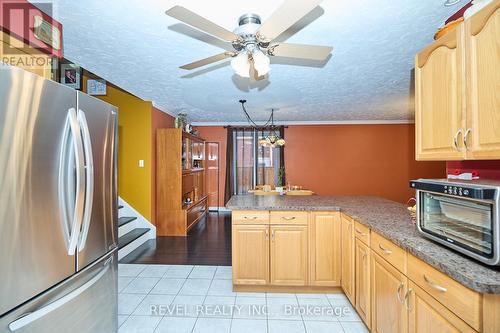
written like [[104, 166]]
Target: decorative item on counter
[[412, 207], [188, 128], [180, 120], [477, 5], [266, 188], [281, 177]]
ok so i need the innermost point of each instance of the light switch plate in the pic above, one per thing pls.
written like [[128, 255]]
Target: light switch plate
[[141, 163]]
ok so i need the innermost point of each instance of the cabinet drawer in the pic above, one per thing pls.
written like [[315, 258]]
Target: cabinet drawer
[[462, 301], [362, 233], [289, 217], [395, 255], [250, 217]]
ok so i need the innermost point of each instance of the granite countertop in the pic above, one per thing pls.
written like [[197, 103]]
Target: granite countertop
[[391, 220]]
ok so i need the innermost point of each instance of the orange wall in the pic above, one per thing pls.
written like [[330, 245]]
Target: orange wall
[[347, 159], [217, 134], [356, 160], [159, 119]]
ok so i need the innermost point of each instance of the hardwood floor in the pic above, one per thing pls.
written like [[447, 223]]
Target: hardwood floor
[[208, 243]]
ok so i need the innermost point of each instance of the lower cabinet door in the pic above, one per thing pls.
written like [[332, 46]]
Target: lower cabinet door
[[348, 257], [388, 288], [289, 255], [325, 249], [362, 281], [250, 254], [426, 315]]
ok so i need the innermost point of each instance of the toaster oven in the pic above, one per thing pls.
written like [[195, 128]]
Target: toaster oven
[[463, 215]]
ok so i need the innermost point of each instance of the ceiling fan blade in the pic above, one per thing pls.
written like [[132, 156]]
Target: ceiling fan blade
[[209, 60], [197, 21], [302, 51], [284, 17]]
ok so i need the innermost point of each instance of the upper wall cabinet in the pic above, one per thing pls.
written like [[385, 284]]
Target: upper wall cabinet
[[438, 98], [482, 54], [457, 98]]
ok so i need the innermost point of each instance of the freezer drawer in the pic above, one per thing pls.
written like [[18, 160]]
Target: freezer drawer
[[85, 303]]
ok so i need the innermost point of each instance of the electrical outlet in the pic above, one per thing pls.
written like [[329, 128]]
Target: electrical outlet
[[141, 163]]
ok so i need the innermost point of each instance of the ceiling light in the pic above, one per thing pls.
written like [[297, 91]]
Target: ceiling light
[[241, 64], [261, 62]]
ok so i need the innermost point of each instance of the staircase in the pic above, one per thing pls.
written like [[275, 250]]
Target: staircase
[[133, 229]]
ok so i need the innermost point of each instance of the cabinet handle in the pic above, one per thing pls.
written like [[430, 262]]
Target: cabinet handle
[[434, 285], [364, 257], [407, 300], [455, 139], [250, 217], [267, 234], [288, 218], [272, 235], [386, 251], [466, 135], [398, 293], [359, 232]]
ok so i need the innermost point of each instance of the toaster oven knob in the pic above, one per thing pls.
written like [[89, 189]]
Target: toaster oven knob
[[466, 192]]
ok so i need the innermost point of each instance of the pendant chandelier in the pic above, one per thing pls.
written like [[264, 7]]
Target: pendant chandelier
[[273, 138]]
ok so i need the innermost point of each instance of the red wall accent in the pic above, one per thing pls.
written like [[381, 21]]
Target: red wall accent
[[159, 119], [347, 159], [486, 169], [217, 134]]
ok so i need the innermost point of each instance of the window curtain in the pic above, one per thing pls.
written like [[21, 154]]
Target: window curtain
[[247, 163]]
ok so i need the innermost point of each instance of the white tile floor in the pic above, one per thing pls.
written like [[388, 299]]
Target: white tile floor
[[199, 299]]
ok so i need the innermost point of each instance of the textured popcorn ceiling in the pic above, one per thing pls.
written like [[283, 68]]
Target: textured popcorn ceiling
[[369, 77]]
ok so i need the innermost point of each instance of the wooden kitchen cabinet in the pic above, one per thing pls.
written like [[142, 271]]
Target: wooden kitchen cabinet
[[325, 249], [250, 254], [348, 257], [388, 288], [428, 315], [457, 108], [362, 281], [289, 255], [482, 54], [438, 99]]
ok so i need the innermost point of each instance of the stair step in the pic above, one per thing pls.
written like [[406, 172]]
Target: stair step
[[131, 236], [120, 207], [126, 219]]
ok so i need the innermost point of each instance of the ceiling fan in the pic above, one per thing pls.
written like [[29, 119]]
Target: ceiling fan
[[253, 41]]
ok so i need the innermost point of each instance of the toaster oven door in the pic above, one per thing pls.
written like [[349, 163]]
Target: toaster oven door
[[461, 223]]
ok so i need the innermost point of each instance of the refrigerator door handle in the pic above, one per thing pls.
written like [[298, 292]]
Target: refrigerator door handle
[[89, 176], [76, 223], [33, 316]]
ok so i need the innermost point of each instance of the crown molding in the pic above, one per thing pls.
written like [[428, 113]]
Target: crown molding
[[328, 122]]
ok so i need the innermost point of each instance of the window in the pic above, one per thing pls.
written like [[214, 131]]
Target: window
[[253, 165]]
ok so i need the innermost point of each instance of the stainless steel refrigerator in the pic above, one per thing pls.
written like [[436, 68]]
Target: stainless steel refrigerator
[[58, 208]]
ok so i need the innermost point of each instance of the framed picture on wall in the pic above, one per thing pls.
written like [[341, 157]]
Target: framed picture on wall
[[71, 76], [96, 87]]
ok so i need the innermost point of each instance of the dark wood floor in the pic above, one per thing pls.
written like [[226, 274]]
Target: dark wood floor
[[208, 243]]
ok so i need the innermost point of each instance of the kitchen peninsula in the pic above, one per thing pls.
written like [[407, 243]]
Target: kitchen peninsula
[[368, 248]]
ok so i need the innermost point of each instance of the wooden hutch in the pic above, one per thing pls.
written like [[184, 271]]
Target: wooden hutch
[[180, 181]]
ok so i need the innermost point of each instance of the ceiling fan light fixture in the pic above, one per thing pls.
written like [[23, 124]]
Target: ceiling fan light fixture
[[241, 64], [261, 62]]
